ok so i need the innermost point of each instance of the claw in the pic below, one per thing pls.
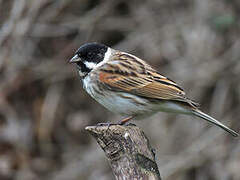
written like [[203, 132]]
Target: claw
[[105, 124], [108, 124]]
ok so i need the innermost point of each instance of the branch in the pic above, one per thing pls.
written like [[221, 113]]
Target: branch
[[128, 151]]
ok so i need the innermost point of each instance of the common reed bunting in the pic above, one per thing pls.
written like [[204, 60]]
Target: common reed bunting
[[127, 85]]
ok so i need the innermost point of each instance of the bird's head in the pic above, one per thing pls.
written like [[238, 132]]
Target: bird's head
[[88, 57]]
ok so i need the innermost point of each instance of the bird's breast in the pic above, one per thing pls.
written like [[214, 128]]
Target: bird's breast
[[117, 102]]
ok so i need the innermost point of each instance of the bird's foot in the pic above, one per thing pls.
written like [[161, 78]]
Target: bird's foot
[[121, 122], [106, 124]]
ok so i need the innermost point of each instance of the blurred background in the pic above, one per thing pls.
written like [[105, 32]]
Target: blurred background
[[43, 108]]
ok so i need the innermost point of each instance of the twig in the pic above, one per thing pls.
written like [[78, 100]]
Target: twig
[[128, 151]]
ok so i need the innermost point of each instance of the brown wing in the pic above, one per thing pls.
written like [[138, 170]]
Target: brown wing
[[130, 74]]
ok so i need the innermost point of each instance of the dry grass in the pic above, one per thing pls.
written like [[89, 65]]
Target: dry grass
[[43, 109]]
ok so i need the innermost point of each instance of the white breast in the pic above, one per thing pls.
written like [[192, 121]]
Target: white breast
[[118, 102]]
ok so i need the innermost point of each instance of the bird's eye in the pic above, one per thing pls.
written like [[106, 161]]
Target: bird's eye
[[89, 54], [99, 55]]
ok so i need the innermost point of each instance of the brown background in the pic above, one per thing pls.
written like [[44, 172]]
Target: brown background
[[43, 108]]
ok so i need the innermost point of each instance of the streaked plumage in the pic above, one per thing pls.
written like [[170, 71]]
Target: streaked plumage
[[127, 85]]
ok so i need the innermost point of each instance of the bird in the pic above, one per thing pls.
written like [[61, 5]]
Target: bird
[[129, 86]]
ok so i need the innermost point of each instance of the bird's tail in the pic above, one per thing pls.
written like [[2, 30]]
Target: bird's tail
[[214, 121]]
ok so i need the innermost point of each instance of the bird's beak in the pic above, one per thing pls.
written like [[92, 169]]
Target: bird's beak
[[75, 59]]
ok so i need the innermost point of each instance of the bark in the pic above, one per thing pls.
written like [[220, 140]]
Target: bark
[[128, 151]]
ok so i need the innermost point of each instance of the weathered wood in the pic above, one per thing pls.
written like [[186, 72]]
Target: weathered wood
[[128, 151]]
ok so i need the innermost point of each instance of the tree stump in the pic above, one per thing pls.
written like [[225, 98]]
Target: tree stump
[[128, 151]]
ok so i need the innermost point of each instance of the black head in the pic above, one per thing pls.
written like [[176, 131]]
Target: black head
[[88, 55], [92, 52]]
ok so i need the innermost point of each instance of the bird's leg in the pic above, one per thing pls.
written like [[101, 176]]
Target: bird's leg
[[124, 121]]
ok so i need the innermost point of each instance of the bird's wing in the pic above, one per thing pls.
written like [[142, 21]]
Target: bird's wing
[[131, 74]]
